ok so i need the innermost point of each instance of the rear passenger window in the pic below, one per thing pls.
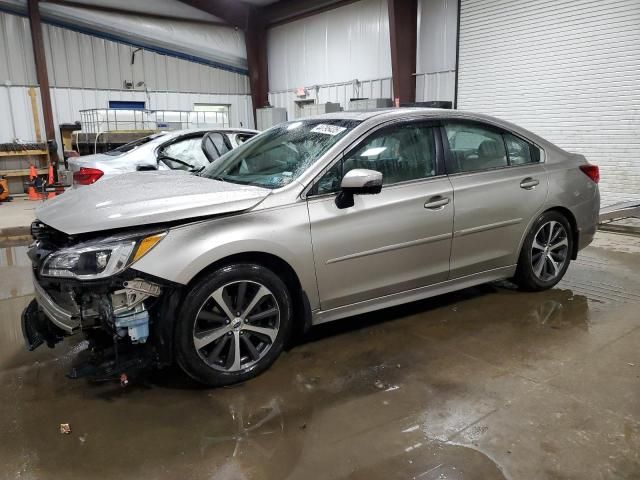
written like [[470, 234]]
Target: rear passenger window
[[475, 148], [520, 152]]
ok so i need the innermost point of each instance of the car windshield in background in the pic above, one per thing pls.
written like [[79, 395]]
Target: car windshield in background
[[127, 147], [279, 155]]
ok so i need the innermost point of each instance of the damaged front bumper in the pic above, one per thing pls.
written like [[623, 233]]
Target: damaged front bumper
[[118, 310], [85, 285], [114, 319], [37, 328], [66, 320]]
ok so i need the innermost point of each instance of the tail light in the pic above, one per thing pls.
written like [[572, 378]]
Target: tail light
[[591, 171], [87, 176]]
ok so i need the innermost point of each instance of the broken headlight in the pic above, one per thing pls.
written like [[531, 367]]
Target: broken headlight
[[98, 260]]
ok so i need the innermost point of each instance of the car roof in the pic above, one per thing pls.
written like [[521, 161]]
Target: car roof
[[381, 115], [395, 112], [187, 131]]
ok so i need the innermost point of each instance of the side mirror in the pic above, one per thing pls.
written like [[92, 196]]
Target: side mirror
[[358, 181], [145, 167]]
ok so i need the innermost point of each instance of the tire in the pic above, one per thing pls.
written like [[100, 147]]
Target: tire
[[543, 263], [258, 314]]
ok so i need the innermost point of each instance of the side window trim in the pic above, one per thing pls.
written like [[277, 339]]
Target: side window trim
[[506, 149], [436, 124], [528, 142]]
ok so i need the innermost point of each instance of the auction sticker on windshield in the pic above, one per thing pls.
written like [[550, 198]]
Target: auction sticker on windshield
[[328, 129]]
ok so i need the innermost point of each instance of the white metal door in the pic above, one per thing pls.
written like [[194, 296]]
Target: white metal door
[[568, 71]]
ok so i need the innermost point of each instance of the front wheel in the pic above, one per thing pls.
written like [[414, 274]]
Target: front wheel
[[546, 253], [233, 324]]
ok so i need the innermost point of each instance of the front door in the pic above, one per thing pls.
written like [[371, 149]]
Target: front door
[[389, 242], [499, 185]]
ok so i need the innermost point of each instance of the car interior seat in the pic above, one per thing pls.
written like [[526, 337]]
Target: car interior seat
[[490, 155]]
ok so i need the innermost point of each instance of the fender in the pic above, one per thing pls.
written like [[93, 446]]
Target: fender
[[282, 232]]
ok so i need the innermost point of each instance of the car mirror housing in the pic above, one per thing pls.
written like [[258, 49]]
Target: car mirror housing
[[358, 181], [146, 166]]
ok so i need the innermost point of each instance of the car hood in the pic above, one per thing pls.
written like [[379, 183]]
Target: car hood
[[143, 198]]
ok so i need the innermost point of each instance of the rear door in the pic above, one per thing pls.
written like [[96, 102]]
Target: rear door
[[390, 242], [499, 184]]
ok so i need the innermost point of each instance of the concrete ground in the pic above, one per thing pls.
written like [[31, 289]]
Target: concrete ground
[[486, 383], [18, 213]]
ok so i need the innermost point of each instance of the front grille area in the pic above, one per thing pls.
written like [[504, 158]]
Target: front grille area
[[47, 235]]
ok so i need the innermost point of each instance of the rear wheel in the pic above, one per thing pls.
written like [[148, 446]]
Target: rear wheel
[[233, 324], [546, 253]]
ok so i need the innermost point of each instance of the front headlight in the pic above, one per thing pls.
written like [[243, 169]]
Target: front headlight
[[100, 259]]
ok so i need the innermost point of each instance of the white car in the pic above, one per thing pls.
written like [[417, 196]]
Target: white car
[[186, 150]]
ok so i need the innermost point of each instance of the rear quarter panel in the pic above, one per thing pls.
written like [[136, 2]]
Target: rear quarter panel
[[569, 187]]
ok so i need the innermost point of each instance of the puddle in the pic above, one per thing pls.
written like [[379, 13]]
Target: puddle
[[383, 395]]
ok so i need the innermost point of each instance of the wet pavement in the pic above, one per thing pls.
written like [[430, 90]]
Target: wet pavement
[[487, 383]]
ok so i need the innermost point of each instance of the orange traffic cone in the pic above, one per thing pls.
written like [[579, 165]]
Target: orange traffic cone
[[51, 181], [31, 192]]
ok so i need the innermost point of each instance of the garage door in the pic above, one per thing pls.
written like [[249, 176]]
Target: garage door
[[567, 70]]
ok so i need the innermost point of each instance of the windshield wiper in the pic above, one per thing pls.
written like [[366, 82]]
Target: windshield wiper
[[197, 171], [171, 159]]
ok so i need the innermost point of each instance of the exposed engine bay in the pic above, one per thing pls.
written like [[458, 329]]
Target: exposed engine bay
[[114, 314]]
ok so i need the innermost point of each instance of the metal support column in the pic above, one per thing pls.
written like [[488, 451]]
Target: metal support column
[[403, 31], [41, 73]]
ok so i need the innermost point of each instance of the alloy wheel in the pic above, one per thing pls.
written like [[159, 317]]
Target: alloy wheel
[[549, 251], [236, 326]]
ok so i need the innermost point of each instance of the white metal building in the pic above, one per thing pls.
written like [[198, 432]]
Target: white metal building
[[569, 71], [95, 57], [344, 53]]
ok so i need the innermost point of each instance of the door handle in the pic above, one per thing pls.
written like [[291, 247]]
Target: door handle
[[436, 203], [529, 183]]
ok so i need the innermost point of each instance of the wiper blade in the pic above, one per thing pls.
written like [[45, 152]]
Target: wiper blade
[[177, 160]]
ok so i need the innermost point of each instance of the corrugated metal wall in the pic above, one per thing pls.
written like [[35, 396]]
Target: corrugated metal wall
[[163, 32], [436, 50], [340, 93], [569, 71], [83, 61], [87, 72], [330, 50]]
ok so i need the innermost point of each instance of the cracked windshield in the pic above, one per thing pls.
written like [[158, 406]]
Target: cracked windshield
[[279, 155]]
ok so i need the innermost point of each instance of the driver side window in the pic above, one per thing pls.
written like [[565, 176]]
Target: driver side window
[[401, 153]]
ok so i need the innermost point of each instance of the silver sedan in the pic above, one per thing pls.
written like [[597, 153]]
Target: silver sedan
[[189, 149], [312, 221]]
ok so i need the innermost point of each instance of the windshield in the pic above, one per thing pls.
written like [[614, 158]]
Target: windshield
[[279, 155], [127, 147]]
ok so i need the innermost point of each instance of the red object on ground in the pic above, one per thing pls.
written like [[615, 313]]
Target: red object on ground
[[31, 191], [87, 176], [51, 181]]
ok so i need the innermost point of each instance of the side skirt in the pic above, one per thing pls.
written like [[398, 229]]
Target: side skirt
[[323, 316]]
